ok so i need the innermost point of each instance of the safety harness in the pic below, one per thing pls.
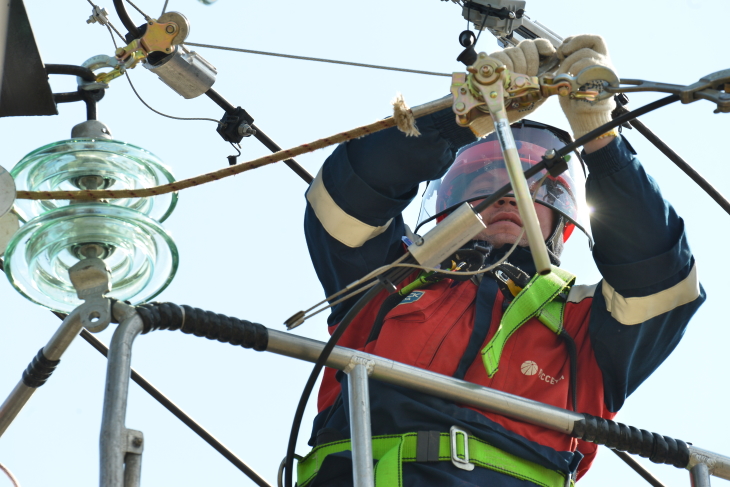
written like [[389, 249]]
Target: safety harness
[[543, 297], [537, 299], [463, 450]]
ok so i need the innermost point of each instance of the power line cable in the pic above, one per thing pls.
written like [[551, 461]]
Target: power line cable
[[320, 60]]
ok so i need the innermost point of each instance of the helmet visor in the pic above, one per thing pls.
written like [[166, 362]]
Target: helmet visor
[[479, 171]]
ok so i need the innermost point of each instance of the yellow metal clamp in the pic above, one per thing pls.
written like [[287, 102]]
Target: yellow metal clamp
[[161, 35]]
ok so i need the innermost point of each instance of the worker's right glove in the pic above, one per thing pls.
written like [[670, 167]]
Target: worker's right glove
[[525, 58], [576, 53]]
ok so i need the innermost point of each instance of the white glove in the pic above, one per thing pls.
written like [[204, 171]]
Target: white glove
[[525, 58], [576, 53]]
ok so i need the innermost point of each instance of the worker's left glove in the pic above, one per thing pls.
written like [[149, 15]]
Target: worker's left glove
[[525, 58], [576, 53]]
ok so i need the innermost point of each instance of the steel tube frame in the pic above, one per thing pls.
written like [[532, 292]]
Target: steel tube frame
[[358, 393], [719, 465], [533, 412], [113, 440], [699, 475], [421, 380], [54, 349]]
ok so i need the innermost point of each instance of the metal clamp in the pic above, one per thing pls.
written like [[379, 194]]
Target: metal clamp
[[92, 280], [714, 87], [590, 84], [462, 463]]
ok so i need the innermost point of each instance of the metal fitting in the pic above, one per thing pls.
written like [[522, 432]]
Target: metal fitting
[[186, 72], [98, 15], [92, 129], [92, 280], [448, 236], [245, 130]]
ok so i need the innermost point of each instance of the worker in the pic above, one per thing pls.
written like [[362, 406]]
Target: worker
[[608, 338]]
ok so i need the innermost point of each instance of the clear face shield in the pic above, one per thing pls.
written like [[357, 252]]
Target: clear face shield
[[479, 171]]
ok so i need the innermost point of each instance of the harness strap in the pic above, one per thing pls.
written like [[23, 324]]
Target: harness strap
[[391, 451], [536, 299]]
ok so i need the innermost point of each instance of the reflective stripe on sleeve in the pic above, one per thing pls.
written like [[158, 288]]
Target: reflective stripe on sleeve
[[579, 292], [342, 227], [632, 311]]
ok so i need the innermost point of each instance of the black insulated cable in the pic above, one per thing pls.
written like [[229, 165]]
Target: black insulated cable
[[638, 468], [318, 366], [126, 20], [260, 136], [679, 162], [181, 415]]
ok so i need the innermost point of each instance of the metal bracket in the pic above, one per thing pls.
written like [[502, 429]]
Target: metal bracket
[[357, 360], [92, 280], [135, 441], [7, 191]]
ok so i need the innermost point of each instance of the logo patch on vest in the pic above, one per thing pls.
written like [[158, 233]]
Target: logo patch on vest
[[529, 367], [412, 297]]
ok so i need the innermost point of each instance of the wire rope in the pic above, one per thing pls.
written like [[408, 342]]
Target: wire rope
[[320, 60], [146, 17]]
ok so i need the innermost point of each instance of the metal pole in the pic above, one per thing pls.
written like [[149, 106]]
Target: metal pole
[[438, 385], [132, 470], [699, 475], [113, 441], [53, 351], [719, 465], [358, 393]]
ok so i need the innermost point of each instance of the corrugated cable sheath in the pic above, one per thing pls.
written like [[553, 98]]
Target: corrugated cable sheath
[[261, 136], [181, 415], [679, 162]]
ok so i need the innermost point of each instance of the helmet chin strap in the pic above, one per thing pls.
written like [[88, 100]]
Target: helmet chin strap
[[554, 242]]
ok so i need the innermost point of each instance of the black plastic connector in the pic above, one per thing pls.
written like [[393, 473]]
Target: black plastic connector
[[230, 124], [39, 370], [655, 447], [169, 316]]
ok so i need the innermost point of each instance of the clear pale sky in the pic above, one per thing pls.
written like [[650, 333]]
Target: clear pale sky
[[241, 242]]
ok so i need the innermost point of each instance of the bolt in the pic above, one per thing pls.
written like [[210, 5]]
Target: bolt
[[167, 49], [170, 29], [462, 91], [137, 442], [151, 23], [486, 70], [119, 52], [460, 107], [520, 81], [512, 15], [493, 94], [563, 91], [482, 55]]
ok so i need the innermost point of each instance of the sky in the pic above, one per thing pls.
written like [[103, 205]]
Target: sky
[[241, 244]]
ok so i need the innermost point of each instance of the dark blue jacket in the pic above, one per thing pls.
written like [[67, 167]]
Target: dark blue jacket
[[353, 225]]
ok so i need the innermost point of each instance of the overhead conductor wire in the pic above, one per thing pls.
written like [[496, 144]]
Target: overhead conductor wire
[[320, 60]]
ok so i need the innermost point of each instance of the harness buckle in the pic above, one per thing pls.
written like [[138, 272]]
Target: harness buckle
[[462, 463]]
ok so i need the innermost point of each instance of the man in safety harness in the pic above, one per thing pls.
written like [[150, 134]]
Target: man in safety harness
[[584, 348]]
